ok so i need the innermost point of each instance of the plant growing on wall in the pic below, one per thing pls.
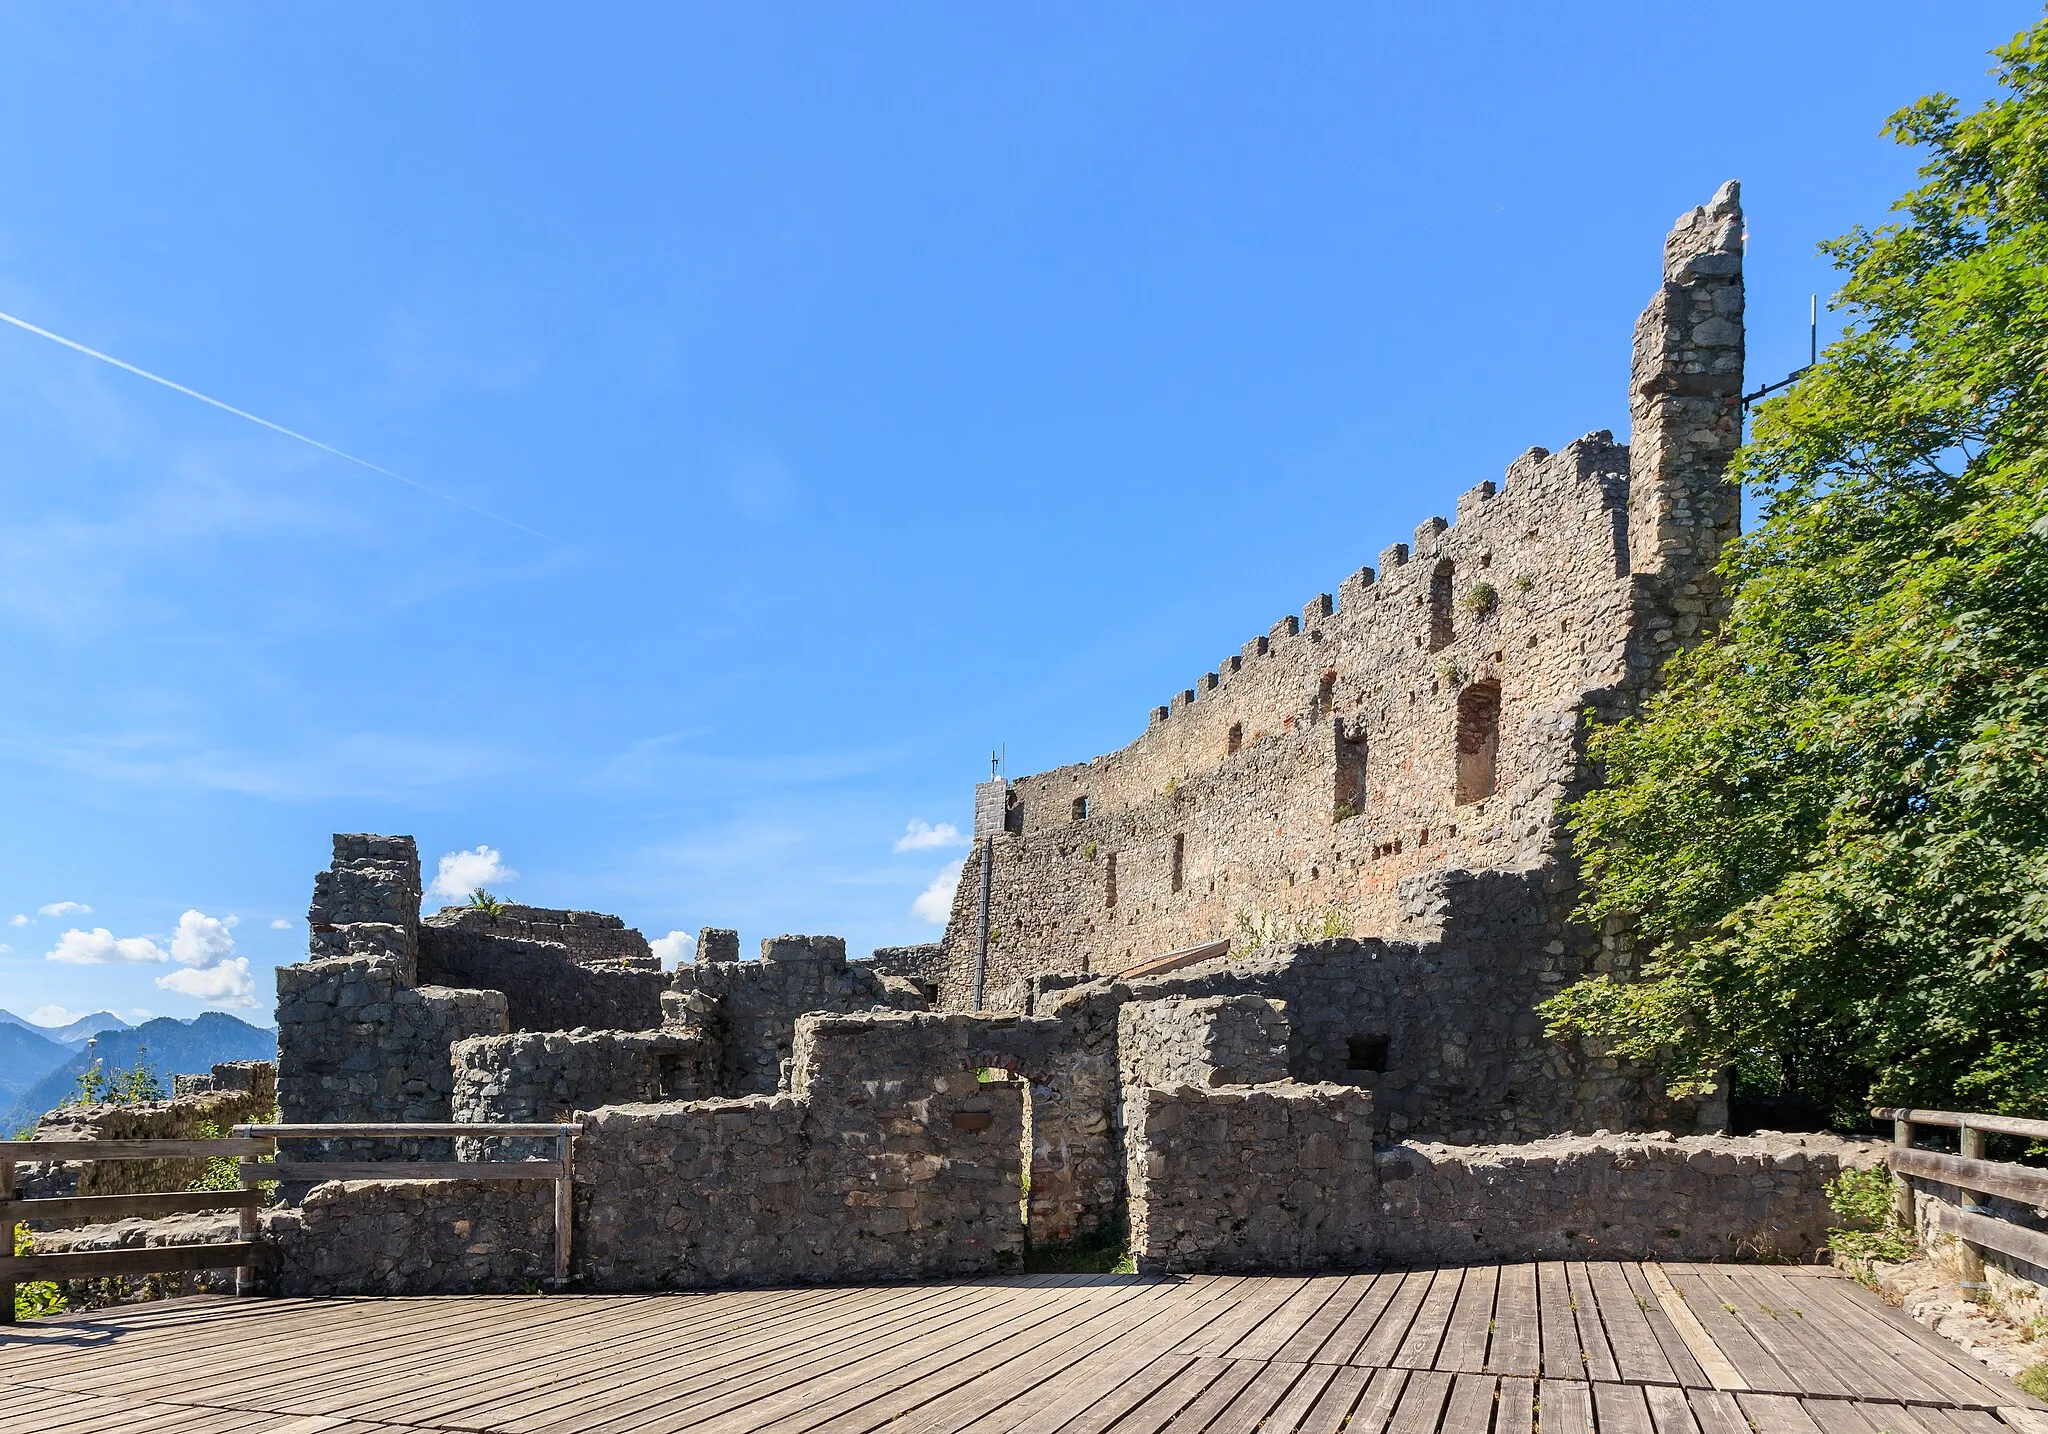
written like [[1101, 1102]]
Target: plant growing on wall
[[35, 1297], [1480, 599], [135, 1085], [489, 905], [1830, 829]]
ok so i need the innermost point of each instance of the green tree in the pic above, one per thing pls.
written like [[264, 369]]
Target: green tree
[[1830, 828]]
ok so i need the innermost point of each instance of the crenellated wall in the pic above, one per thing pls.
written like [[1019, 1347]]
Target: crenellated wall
[[1424, 721]]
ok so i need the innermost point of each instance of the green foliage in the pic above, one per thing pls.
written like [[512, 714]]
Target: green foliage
[[1343, 812], [1088, 851], [482, 900], [2034, 1381], [1524, 582], [1830, 829], [136, 1085], [224, 1172], [1864, 1199], [33, 1298], [1105, 1250], [1480, 599]]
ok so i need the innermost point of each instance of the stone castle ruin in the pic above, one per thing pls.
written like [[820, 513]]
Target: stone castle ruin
[[1223, 991]]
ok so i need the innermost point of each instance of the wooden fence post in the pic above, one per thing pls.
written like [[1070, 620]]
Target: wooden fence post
[[246, 1223], [565, 1209], [7, 1218], [1970, 1146], [1902, 1196]]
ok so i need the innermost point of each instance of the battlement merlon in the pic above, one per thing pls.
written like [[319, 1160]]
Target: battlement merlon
[[1685, 405]]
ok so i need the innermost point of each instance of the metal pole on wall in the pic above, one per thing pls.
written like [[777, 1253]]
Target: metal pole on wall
[[988, 861]]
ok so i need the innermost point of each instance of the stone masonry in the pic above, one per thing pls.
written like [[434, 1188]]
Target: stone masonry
[[1397, 754]]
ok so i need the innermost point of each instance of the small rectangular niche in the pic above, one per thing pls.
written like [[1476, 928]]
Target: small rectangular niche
[[1080, 809], [1234, 739], [1366, 1053]]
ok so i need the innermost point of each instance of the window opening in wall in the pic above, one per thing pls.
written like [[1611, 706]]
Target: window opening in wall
[[1348, 799], [1080, 809], [1478, 740], [1366, 1053], [1109, 881], [1179, 856], [1234, 739], [1440, 633]]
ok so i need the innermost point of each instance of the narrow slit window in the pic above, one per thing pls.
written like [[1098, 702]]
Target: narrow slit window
[[1478, 741], [1234, 740], [1109, 881], [1080, 809], [1440, 631], [1179, 860]]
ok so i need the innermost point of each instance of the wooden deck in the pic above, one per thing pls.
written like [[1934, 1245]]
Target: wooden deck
[[1562, 1348]]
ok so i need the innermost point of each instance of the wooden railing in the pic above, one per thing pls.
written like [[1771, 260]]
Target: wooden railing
[[246, 1143], [93, 1209], [1970, 1172]]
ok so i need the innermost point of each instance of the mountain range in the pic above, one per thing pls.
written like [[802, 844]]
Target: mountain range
[[73, 1034], [32, 1082]]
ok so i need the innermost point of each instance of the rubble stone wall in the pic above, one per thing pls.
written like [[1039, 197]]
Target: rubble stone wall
[[892, 1161], [589, 937], [546, 987], [2019, 1286], [1216, 1185], [414, 1237], [357, 1044], [248, 1093], [750, 1008], [1202, 1041], [535, 1076], [367, 903]]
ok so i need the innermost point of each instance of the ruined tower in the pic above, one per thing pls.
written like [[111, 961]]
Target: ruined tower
[[1421, 724]]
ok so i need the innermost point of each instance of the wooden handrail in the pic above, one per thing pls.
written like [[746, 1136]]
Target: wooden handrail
[[1972, 1223], [247, 1142], [390, 1130], [1960, 1120]]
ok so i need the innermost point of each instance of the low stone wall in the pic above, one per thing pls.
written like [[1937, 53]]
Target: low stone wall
[[1255, 1178], [1202, 1041], [894, 1162], [2015, 1286], [591, 938], [1214, 1187], [176, 1119], [414, 1237]]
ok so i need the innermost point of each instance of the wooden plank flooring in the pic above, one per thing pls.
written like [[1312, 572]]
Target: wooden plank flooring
[[1550, 1348]]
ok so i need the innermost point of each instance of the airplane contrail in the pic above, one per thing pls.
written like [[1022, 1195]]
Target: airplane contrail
[[266, 423]]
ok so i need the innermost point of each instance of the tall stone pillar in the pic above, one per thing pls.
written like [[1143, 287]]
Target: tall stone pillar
[[1685, 397]]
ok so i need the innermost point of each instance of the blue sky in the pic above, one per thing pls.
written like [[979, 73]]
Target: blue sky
[[868, 385]]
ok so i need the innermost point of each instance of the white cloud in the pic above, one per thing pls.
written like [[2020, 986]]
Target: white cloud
[[53, 1016], [5, 949], [139, 1014], [17, 920], [464, 871], [921, 835], [99, 946], [201, 940], [280, 924], [675, 948], [58, 908], [228, 984], [936, 904]]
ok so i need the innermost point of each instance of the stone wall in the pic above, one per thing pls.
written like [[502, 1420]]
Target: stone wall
[[256, 1079], [923, 966], [367, 903], [750, 1008], [1202, 1041], [2017, 1286], [546, 987], [892, 1161], [590, 938], [1215, 1186], [414, 1237], [356, 1044], [250, 1095], [534, 1076]]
